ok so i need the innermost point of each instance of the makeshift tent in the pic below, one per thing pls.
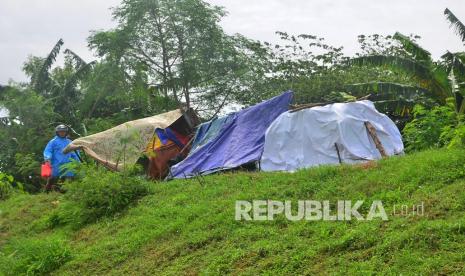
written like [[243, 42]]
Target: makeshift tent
[[165, 145], [208, 131], [161, 137], [331, 134], [237, 139]]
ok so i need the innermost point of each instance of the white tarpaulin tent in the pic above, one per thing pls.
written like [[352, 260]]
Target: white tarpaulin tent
[[315, 136]]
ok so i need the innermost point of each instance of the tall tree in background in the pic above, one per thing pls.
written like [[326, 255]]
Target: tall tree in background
[[317, 71], [179, 45], [24, 135]]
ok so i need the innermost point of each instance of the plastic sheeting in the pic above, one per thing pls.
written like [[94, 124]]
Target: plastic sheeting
[[208, 131], [239, 141], [122, 145], [307, 137]]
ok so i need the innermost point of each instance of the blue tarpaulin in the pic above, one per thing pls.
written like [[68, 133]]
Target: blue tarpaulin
[[239, 141], [167, 134], [208, 131]]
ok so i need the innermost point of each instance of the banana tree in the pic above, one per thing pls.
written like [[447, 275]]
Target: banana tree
[[395, 99], [433, 85], [455, 62], [60, 86], [436, 81], [455, 23]]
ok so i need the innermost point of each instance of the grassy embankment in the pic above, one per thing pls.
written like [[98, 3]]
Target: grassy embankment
[[188, 226]]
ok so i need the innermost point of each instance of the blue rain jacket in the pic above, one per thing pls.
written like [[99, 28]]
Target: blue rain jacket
[[54, 153]]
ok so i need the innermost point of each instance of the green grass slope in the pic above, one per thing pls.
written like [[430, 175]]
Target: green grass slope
[[188, 226]]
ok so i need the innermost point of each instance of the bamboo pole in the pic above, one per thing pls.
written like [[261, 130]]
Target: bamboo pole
[[372, 131]]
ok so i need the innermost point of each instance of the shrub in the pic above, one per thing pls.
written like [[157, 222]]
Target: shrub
[[431, 128], [457, 136], [6, 186], [98, 193], [33, 256]]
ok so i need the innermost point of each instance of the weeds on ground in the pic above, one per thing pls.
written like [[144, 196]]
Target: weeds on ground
[[97, 193], [33, 256]]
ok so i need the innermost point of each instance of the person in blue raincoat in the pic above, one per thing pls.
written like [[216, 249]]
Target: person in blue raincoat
[[53, 153]]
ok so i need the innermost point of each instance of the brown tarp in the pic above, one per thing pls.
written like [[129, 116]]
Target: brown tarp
[[159, 156], [159, 162], [122, 145]]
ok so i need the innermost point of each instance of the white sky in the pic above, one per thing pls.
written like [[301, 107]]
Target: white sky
[[33, 26]]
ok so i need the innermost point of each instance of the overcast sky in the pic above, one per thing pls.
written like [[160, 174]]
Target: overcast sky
[[33, 26]]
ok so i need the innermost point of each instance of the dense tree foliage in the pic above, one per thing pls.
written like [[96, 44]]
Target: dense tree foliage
[[178, 49]]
